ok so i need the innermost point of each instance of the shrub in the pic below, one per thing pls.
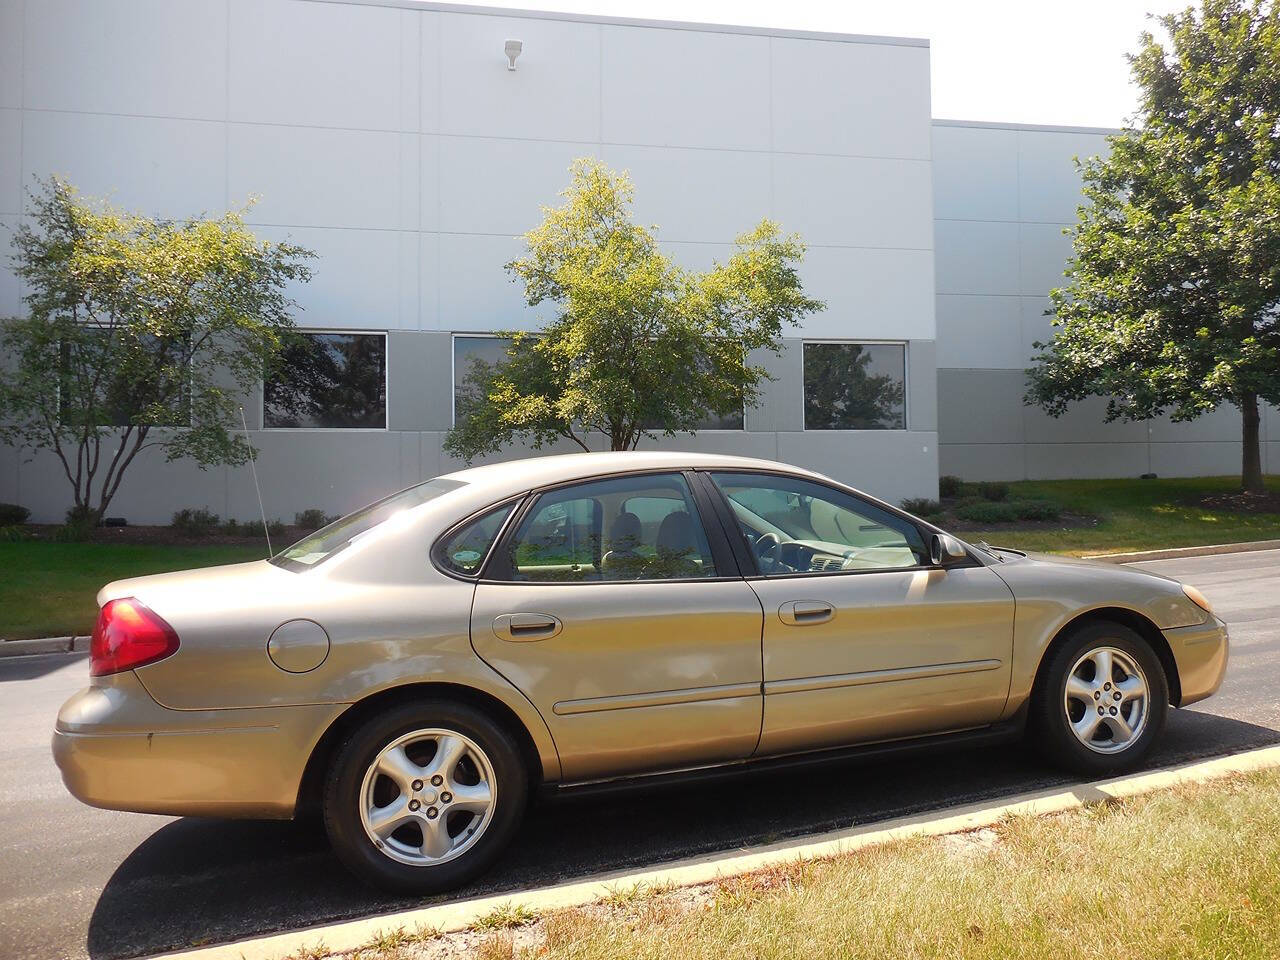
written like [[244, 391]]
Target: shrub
[[11, 513], [984, 511], [949, 486], [993, 490], [313, 519], [198, 522], [231, 527], [253, 528], [922, 506], [1038, 509], [80, 523]]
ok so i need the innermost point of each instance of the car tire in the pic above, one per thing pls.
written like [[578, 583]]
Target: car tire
[[378, 808], [1083, 728]]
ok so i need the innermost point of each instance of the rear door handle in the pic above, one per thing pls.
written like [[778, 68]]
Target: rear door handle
[[526, 626], [801, 613]]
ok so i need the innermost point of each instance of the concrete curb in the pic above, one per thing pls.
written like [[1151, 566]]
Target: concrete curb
[[448, 917], [26, 648], [1177, 553]]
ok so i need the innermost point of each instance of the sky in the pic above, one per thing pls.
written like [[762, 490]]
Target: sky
[[1016, 61]]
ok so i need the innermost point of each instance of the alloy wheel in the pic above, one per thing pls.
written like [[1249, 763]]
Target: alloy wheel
[[427, 797], [1106, 700]]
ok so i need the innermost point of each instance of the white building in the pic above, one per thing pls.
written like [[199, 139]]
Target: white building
[[391, 137]]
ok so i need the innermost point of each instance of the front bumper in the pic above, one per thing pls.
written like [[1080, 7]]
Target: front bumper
[[1201, 653], [119, 749]]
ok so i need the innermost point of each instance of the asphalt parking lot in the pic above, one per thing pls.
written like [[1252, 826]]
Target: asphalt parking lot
[[77, 882]]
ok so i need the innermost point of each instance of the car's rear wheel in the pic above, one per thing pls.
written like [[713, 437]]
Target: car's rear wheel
[[424, 797], [1101, 703]]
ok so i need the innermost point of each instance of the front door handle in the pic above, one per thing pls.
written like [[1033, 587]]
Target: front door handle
[[801, 613], [526, 626]]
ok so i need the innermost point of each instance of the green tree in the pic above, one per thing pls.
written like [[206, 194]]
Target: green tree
[[638, 346], [139, 333], [1174, 285]]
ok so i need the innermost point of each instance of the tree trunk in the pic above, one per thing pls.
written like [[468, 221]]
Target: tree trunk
[[1251, 466]]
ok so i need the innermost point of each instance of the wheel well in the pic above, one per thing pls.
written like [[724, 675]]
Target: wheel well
[[1127, 618], [311, 787]]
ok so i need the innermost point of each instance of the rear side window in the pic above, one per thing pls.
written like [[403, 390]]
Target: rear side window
[[625, 528], [464, 550]]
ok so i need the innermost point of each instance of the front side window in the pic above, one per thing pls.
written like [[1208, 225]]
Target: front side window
[[624, 528], [335, 380], [855, 386], [795, 526]]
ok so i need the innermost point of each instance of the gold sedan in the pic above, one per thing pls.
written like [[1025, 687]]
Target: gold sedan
[[416, 669]]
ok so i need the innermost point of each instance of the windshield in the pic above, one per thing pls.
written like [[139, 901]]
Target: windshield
[[327, 541]]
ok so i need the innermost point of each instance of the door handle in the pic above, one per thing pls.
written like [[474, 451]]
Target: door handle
[[526, 626], [801, 613]]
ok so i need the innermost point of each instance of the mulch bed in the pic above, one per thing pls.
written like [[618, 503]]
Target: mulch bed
[[168, 537], [1067, 521], [1241, 502]]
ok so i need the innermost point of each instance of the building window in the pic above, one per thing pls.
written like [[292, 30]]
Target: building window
[[473, 357], [855, 386], [118, 384], [332, 380]]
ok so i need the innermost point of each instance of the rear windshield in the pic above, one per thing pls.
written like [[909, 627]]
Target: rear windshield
[[327, 541]]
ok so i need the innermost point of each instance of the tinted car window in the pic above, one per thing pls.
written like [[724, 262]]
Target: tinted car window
[[625, 528], [798, 526], [327, 541], [464, 550]]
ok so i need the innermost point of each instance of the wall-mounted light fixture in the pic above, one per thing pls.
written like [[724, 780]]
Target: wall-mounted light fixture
[[513, 48]]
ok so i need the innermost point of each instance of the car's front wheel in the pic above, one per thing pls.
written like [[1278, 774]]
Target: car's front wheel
[[1101, 703], [424, 797]]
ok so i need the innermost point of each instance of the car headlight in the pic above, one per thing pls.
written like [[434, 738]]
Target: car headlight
[[1198, 598]]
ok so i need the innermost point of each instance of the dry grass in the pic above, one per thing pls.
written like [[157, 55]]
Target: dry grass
[[1192, 872]]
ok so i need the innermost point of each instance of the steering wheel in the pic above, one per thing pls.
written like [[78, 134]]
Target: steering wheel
[[768, 547]]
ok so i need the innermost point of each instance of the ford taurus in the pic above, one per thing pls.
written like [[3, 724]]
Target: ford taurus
[[416, 669]]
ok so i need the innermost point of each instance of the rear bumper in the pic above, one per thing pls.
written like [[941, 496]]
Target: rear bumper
[[1201, 653], [119, 749]]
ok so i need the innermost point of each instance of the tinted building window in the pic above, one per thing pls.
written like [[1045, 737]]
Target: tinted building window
[[473, 357], [329, 380], [855, 386]]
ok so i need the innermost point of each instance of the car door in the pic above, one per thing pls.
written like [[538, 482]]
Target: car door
[[864, 640], [636, 638]]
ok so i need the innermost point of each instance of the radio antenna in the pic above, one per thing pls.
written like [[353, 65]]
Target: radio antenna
[[253, 467]]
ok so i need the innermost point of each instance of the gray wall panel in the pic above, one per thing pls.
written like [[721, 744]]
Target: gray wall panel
[[983, 461], [1055, 461], [889, 464], [980, 406], [419, 380], [781, 404], [922, 384], [1196, 458]]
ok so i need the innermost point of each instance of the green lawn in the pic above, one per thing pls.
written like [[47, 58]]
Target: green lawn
[[1188, 872], [48, 589], [1136, 515]]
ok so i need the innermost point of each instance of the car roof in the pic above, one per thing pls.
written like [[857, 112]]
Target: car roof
[[515, 476]]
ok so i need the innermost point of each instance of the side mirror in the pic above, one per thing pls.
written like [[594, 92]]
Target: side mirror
[[943, 548]]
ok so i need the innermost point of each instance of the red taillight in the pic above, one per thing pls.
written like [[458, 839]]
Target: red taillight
[[128, 634]]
